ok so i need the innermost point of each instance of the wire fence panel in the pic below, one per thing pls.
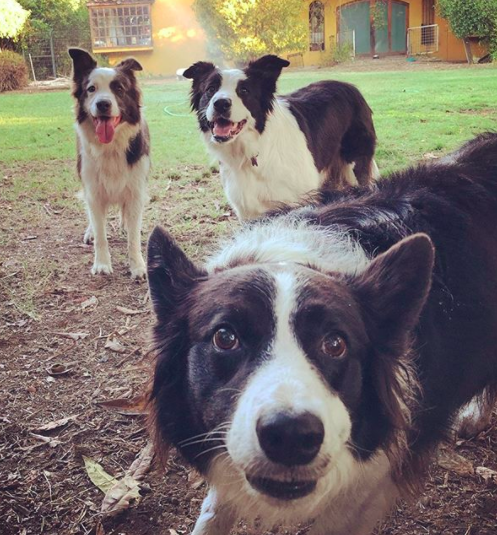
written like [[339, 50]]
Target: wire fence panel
[[422, 40], [46, 53], [347, 38]]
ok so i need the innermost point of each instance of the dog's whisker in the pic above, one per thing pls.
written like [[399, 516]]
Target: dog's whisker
[[222, 446]]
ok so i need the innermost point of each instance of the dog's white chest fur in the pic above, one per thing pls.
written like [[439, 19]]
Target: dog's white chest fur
[[261, 171], [105, 172]]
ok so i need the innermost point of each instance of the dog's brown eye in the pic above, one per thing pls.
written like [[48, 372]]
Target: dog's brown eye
[[243, 91], [334, 346], [92, 89], [225, 339]]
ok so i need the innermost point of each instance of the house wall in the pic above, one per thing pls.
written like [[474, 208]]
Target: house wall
[[178, 40], [450, 48]]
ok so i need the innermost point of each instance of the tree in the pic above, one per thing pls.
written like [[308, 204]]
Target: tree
[[62, 16], [472, 18], [243, 30], [12, 19]]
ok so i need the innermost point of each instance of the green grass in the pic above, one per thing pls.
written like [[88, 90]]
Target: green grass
[[415, 112]]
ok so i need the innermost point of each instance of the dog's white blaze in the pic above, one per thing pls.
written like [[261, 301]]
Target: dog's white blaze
[[288, 382], [101, 79], [291, 239], [227, 90]]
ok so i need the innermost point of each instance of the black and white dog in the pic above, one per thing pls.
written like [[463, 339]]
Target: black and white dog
[[312, 366], [113, 153], [277, 149]]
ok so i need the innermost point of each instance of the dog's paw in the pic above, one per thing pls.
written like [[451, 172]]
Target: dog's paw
[[473, 418], [88, 237], [139, 272], [101, 269]]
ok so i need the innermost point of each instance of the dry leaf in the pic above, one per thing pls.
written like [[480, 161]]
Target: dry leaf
[[129, 407], [55, 424], [115, 345], [58, 369], [119, 497], [98, 476], [141, 465], [130, 311], [90, 302], [455, 462], [127, 490], [99, 530], [486, 473], [73, 336]]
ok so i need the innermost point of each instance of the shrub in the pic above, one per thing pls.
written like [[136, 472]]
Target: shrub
[[340, 53], [13, 71]]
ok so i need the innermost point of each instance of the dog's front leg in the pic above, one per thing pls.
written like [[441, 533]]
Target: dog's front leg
[[97, 213], [215, 518], [132, 216]]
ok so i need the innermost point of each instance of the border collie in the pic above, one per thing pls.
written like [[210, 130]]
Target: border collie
[[277, 149], [113, 153], [310, 369]]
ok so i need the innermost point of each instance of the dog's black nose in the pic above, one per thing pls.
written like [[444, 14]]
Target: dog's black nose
[[103, 106], [290, 439], [222, 105]]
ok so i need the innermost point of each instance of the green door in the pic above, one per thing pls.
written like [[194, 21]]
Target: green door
[[355, 17], [399, 27], [380, 17]]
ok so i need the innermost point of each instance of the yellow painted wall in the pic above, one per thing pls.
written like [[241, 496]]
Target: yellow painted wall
[[450, 48], [178, 40]]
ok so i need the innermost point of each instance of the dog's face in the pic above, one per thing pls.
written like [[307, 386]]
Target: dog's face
[[231, 101], [107, 96], [278, 379]]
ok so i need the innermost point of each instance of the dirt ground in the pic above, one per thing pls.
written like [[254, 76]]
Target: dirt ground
[[69, 341]]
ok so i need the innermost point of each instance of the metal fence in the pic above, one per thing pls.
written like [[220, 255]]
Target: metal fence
[[422, 40], [46, 53], [347, 38]]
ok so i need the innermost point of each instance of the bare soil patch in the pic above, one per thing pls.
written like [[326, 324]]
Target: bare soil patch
[[48, 294]]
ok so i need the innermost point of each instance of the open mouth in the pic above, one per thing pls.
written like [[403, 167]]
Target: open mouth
[[223, 130], [105, 127], [282, 490]]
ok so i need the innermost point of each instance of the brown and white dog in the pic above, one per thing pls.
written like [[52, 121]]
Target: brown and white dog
[[113, 153], [312, 366], [275, 149]]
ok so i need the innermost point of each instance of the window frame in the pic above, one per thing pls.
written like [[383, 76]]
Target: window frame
[[125, 36], [314, 45]]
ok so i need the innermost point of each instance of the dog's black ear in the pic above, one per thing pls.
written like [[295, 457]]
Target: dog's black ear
[[392, 292], [82, 62], [199, 70], [394, 288], [269, 65], [171, 274], [129, 64]]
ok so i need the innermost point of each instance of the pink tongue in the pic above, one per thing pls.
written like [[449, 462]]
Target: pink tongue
[[222, 129], [105, 130]]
